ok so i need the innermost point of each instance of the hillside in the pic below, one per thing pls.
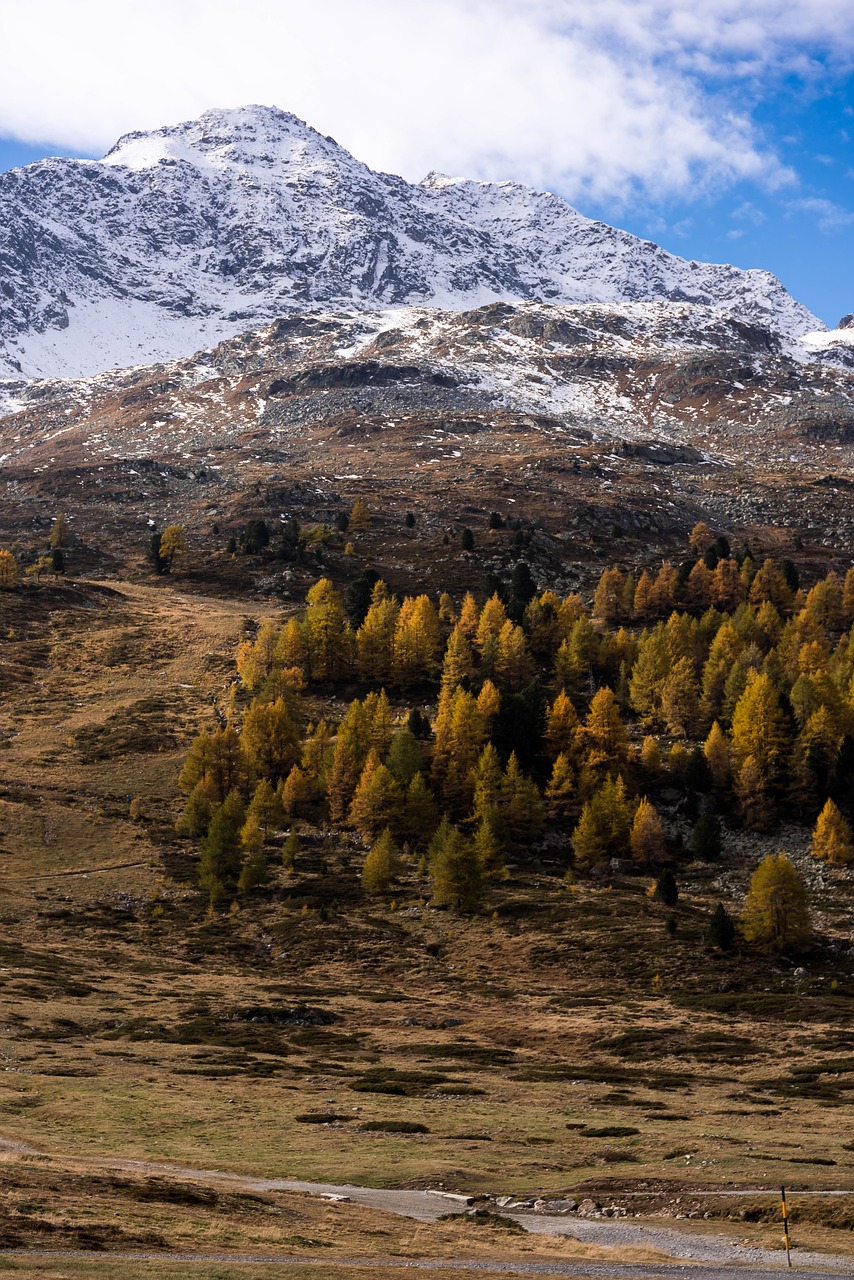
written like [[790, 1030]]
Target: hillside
[[591, 421]]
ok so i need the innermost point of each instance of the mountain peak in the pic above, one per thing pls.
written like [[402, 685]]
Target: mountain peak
[[218, 139], [197, 231]]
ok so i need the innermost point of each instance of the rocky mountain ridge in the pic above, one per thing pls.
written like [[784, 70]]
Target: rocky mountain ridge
[[192, 233], [585, 419]]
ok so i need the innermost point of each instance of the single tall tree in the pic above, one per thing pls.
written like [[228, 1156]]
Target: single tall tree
[[776, 913]]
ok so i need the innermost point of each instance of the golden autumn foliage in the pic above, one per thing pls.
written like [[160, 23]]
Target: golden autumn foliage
[[832, 840], [776, 912], [545, 718], [9, 575]]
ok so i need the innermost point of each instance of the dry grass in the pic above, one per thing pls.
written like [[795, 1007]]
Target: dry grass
[[48, 1205], [564, 1043]]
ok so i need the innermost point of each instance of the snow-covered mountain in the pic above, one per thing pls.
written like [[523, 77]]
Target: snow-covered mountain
[[191, 233]]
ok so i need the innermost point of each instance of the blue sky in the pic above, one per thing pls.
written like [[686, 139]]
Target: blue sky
[[722, 131]]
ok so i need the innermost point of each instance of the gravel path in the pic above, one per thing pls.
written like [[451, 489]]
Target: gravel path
[[707, 1256], [573, 1270]]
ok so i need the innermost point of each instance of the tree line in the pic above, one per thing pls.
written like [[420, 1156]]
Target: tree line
[[720, 681]]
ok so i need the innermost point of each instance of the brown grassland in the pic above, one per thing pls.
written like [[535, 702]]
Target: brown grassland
[[562, 1041]]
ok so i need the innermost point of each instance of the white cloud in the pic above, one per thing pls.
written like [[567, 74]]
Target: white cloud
[[748, 212], [828, 215], [596, 98]]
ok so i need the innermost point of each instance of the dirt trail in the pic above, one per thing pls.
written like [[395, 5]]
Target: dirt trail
[[705, 1254], [572, 1270]]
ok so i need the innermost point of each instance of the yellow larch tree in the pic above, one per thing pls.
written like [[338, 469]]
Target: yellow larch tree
[[458, 664], [832, 840], [561, 726], [776, 910], [646, 840]]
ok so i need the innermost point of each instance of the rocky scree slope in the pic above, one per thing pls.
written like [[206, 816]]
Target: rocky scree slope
[[191, 233], [583, 417]]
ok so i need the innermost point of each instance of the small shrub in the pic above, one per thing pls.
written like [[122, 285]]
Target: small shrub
[[610, 1131], [321, 1117], [393, 1126], [486, 1218]]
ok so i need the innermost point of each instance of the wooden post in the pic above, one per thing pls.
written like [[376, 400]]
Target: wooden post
[[786, 1226]]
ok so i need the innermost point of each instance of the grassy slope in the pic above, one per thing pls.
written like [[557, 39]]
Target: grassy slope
[[563, 1008]]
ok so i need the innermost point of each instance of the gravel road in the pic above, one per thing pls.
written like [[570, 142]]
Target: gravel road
[[706, 1257], [572, 1270]]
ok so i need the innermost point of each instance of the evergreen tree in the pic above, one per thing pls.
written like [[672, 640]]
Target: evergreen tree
[[254, 537], [522, 805], [221, 856], [155, 559], [404, 757], [360, 595], [59, 533], [523, 588], [253, 873], [291, 849], [666, 888], [706, 838], [265, 806], [721, 933], [456, 874], [420, 815]]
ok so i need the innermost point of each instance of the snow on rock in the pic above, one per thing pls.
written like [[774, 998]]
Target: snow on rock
[[193, 233]]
